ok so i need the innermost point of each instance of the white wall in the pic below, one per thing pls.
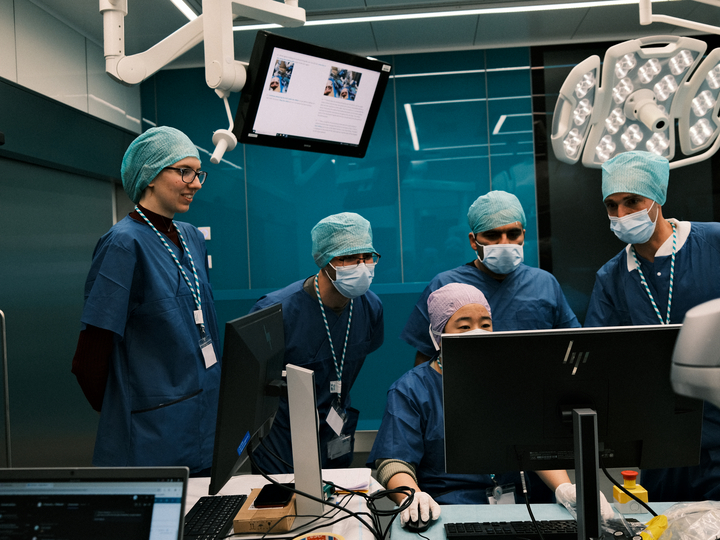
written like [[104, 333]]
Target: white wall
[[43, 54]]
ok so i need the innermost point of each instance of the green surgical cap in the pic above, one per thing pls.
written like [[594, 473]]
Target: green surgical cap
[[641, 173], [495, 209], [340, 234], [149, 154]]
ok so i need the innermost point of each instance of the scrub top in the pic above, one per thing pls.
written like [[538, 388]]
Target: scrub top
[[307, 346], [527, 299], [160, 403], [412, 430], [620, 299]]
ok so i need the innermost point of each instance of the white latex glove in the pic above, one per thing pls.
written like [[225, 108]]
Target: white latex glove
[[567, 496], [423, 506]]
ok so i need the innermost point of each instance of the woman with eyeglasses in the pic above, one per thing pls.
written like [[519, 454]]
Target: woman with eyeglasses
[[148, 353]]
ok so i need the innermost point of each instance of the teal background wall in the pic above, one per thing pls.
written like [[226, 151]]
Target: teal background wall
[[473, 117]]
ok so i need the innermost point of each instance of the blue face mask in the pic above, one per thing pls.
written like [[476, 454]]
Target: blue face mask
[[501, 258], [353, 281], [635, 228]]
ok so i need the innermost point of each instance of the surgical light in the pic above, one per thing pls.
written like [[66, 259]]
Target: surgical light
[[702, 103], [581, 112], [650, 91], [625, 64], [649, 70], [700, 132], [623, 89], [614, 121], [658, 144], [585, 84]]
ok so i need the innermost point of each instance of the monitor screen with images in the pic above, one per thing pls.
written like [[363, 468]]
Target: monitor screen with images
[[143, 503], [509, 396], [250, 387], [305, 97]]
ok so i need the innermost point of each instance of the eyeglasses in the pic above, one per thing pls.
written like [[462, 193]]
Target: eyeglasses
[[349, 260], [189, 175]]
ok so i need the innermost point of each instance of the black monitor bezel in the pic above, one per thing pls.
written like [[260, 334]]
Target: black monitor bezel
[[262, 53], [501, 411], [244, 392]]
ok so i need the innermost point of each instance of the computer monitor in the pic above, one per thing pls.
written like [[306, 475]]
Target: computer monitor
[[250, 386], [305, 97], [509, 399]]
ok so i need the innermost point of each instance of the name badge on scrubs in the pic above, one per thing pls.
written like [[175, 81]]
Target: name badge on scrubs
[[501, 494], [208, 351], [335, 387], [338, 446], [336, 418]]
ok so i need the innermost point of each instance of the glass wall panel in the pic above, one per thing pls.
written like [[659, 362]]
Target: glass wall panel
[[442, 156]]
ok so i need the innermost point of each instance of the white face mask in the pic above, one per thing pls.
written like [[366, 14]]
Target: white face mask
[[635, 228], [501, 258], [476, 332], [354, 280]]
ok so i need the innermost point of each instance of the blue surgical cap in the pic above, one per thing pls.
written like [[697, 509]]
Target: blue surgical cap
[[149, 154], [445, 301], [340, 234], [641, 173], [495, 209]]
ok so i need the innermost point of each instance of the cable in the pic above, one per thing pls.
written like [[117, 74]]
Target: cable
[[375, 528], [527, 504]]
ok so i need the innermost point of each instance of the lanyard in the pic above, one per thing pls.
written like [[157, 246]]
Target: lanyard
[[195, 291], [338, 369], [672, 275]]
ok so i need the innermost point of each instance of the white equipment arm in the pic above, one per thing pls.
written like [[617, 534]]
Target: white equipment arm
[[647, 17], [223, 73]]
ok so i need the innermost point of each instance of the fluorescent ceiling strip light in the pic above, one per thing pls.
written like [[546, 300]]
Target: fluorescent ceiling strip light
[[411, 125], [456, 13], [185, 9], [464, 72]]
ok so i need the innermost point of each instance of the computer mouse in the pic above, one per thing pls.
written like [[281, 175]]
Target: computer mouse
[[418, 526]]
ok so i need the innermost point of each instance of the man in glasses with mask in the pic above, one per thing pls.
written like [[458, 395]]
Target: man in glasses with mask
[[522, 297], [666, 268], [332, 322]]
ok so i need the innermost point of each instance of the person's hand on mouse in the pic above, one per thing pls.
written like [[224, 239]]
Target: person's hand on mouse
[[422, 507]]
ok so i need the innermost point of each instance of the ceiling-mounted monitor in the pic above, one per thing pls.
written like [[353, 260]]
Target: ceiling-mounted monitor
[[304, 97]]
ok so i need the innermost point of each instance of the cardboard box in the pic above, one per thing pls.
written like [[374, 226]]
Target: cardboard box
[[259, 520]]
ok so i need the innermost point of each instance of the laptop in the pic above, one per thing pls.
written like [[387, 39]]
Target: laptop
[[145, 503]]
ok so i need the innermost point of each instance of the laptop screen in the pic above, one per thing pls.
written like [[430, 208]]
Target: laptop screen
[[108, 503]]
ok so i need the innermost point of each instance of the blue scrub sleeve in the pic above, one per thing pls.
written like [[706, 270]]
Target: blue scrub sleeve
[[108, 292]]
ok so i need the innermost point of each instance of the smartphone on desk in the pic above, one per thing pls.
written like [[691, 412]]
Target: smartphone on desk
[[274, 495]]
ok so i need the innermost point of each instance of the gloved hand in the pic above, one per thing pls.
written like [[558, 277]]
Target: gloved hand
[[566, 495], [422, 506]]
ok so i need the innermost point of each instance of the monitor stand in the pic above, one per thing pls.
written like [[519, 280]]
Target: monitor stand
[[587, 485], [304, 432]]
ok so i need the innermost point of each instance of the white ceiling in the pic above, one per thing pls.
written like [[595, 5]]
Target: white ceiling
[[149, 21]]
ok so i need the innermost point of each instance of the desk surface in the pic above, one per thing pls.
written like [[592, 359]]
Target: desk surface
[[499, 512], [350, 529]]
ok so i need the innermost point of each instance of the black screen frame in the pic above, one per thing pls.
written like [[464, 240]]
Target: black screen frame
[[505, 394], [250, 387], [259, 65]]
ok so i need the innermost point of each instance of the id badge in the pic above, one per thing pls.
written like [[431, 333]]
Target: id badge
[[338, 446], [501, 494], [336, 418], [208, 351]]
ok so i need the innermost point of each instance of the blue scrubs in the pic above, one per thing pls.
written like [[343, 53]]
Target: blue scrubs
[[620, 299], [527, 299], [412, 430], [160, 402], [306, 345]]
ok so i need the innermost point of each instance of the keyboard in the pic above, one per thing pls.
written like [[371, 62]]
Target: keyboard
[[210, 518], [551, 530]]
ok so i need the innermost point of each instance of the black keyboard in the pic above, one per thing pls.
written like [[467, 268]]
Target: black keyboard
[[551, 530], [210, 518]]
